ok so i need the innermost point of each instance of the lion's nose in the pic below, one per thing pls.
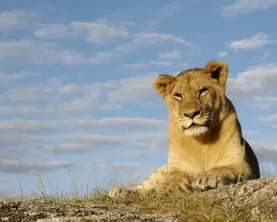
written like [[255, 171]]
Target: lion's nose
[[192, 114]]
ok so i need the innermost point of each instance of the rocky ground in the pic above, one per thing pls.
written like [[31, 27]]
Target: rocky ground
[[46, 211], [258, 196]]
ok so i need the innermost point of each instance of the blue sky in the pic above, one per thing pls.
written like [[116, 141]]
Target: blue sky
[[76, 96]]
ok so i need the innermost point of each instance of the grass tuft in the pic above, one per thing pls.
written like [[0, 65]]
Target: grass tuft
[[190, 206]]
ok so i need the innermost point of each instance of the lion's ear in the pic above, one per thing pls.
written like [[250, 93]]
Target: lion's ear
[[162, 84], [217, 70]]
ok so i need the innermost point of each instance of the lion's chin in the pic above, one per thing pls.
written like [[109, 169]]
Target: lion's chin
[[195, 130]]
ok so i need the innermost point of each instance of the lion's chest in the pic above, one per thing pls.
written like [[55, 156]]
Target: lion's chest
[[193, 158]]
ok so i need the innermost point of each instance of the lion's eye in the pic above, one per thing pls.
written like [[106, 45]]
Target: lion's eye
[[177, 96], [203, 91]]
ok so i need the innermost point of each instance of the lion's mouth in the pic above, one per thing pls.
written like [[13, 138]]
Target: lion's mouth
[[196, 125], [196, 129]]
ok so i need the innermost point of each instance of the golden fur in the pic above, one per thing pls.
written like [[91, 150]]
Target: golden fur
[[206, 147]]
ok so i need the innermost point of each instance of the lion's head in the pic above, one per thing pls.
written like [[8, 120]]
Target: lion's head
[[195, 98]]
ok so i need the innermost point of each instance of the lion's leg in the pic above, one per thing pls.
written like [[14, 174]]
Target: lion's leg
[[220, 176], [164, 178]]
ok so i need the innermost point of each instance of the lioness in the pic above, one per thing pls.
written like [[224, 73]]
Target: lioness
[[206, 146]]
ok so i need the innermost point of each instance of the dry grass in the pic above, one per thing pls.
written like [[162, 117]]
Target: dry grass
[[190, 206]]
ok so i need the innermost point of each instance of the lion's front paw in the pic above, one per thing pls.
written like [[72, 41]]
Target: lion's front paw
[[205, 181], [181, 184], [210, 180], [177, 187], [120, 192]]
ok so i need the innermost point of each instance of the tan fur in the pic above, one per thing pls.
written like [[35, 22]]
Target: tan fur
[[206, 147]]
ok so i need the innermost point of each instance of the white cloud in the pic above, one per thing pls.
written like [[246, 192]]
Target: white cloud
[[138, 87], [74, 58], [38, 138], [28, 50], [27, 93], [123, 168], [10, 146], [157, 38], [90, 138], [264, 102], [49, 90], [121, 123], [258, 79], [17, 167], [20, 145], [5, 77], [246, 6], [17, 125], [77, 142], [265, 150], [147, 144], [99, 32], [15, 19], [250, 133], [76, 105], [269, 118], [172, 56], [47, 53], [266, 99], [256, 41], [89, 102], [178, 66], [78, 147], [10, 45], [161, 63], [29, 126], [265, 155], [122, 24], [171, 61], [136, 66], [151, 141], [125, 48], [53, 31], [222, 54], [85, 97], [93, 31], [70, 89], [56, 81], [140, 40], [67, 147], [137, 152], [66, 136], [15, 138], [20, 110]]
